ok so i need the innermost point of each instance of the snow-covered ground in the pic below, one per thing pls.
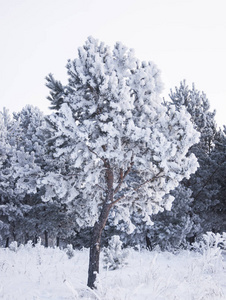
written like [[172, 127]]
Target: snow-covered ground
[[33, 273]]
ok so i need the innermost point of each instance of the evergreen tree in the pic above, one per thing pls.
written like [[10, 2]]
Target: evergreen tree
[[116, 143], [5, 150], [19, 172], [203, 183], [217, 181], [198, 106], [37, 219]]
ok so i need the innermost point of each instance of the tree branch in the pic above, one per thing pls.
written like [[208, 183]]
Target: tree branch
[[123, 176], [138, 187], [101, 187], [96, 154]]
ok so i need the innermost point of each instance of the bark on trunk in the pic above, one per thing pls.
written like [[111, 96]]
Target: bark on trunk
[[94, 255], [26, 238], [7, 243], [58, 242], [46, 238], [35, 241], [95, 246]]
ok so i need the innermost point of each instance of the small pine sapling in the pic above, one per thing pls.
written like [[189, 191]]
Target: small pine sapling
[[69, 251], [114, 257]]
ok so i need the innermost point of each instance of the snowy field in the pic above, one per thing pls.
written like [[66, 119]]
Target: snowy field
[[32, 273]]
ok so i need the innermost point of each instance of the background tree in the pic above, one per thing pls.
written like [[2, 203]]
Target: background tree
[[198, 107], [5, 149], [205, 182], [124, 147], [217, 179], [47, 220], [23, 157]]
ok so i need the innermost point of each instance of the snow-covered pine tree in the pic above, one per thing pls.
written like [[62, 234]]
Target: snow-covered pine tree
[[202, 183], [126, 148], [5, 149], [48, 220], [114, 256], [197, 104], [24, 156], [218, 182]]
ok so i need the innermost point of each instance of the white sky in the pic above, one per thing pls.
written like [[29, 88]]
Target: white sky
[[185, 38]]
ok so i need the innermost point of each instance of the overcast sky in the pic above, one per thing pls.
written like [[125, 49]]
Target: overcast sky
[[185, 38]]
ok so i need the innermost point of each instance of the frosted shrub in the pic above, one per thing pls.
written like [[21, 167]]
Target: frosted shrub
[[69, 251], [114, 256], [29, 245], [210, 246], [13, 246], [210, 241]]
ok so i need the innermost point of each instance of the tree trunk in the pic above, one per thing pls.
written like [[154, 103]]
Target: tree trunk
[[148, 242], [7, 243], [46, 238], [26, 238], [35, 241], [95, 245], [94, 256], [58, 241]]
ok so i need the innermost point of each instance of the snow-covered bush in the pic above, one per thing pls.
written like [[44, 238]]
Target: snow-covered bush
[[208, 183], [114, 257], [210, 246], [69, 251], [210, 241], [13, 246]]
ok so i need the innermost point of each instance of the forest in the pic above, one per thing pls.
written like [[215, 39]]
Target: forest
[[112, 159]]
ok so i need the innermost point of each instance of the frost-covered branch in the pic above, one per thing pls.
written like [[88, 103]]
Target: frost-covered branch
[[138, 187], [92, 151], [123, 176]]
